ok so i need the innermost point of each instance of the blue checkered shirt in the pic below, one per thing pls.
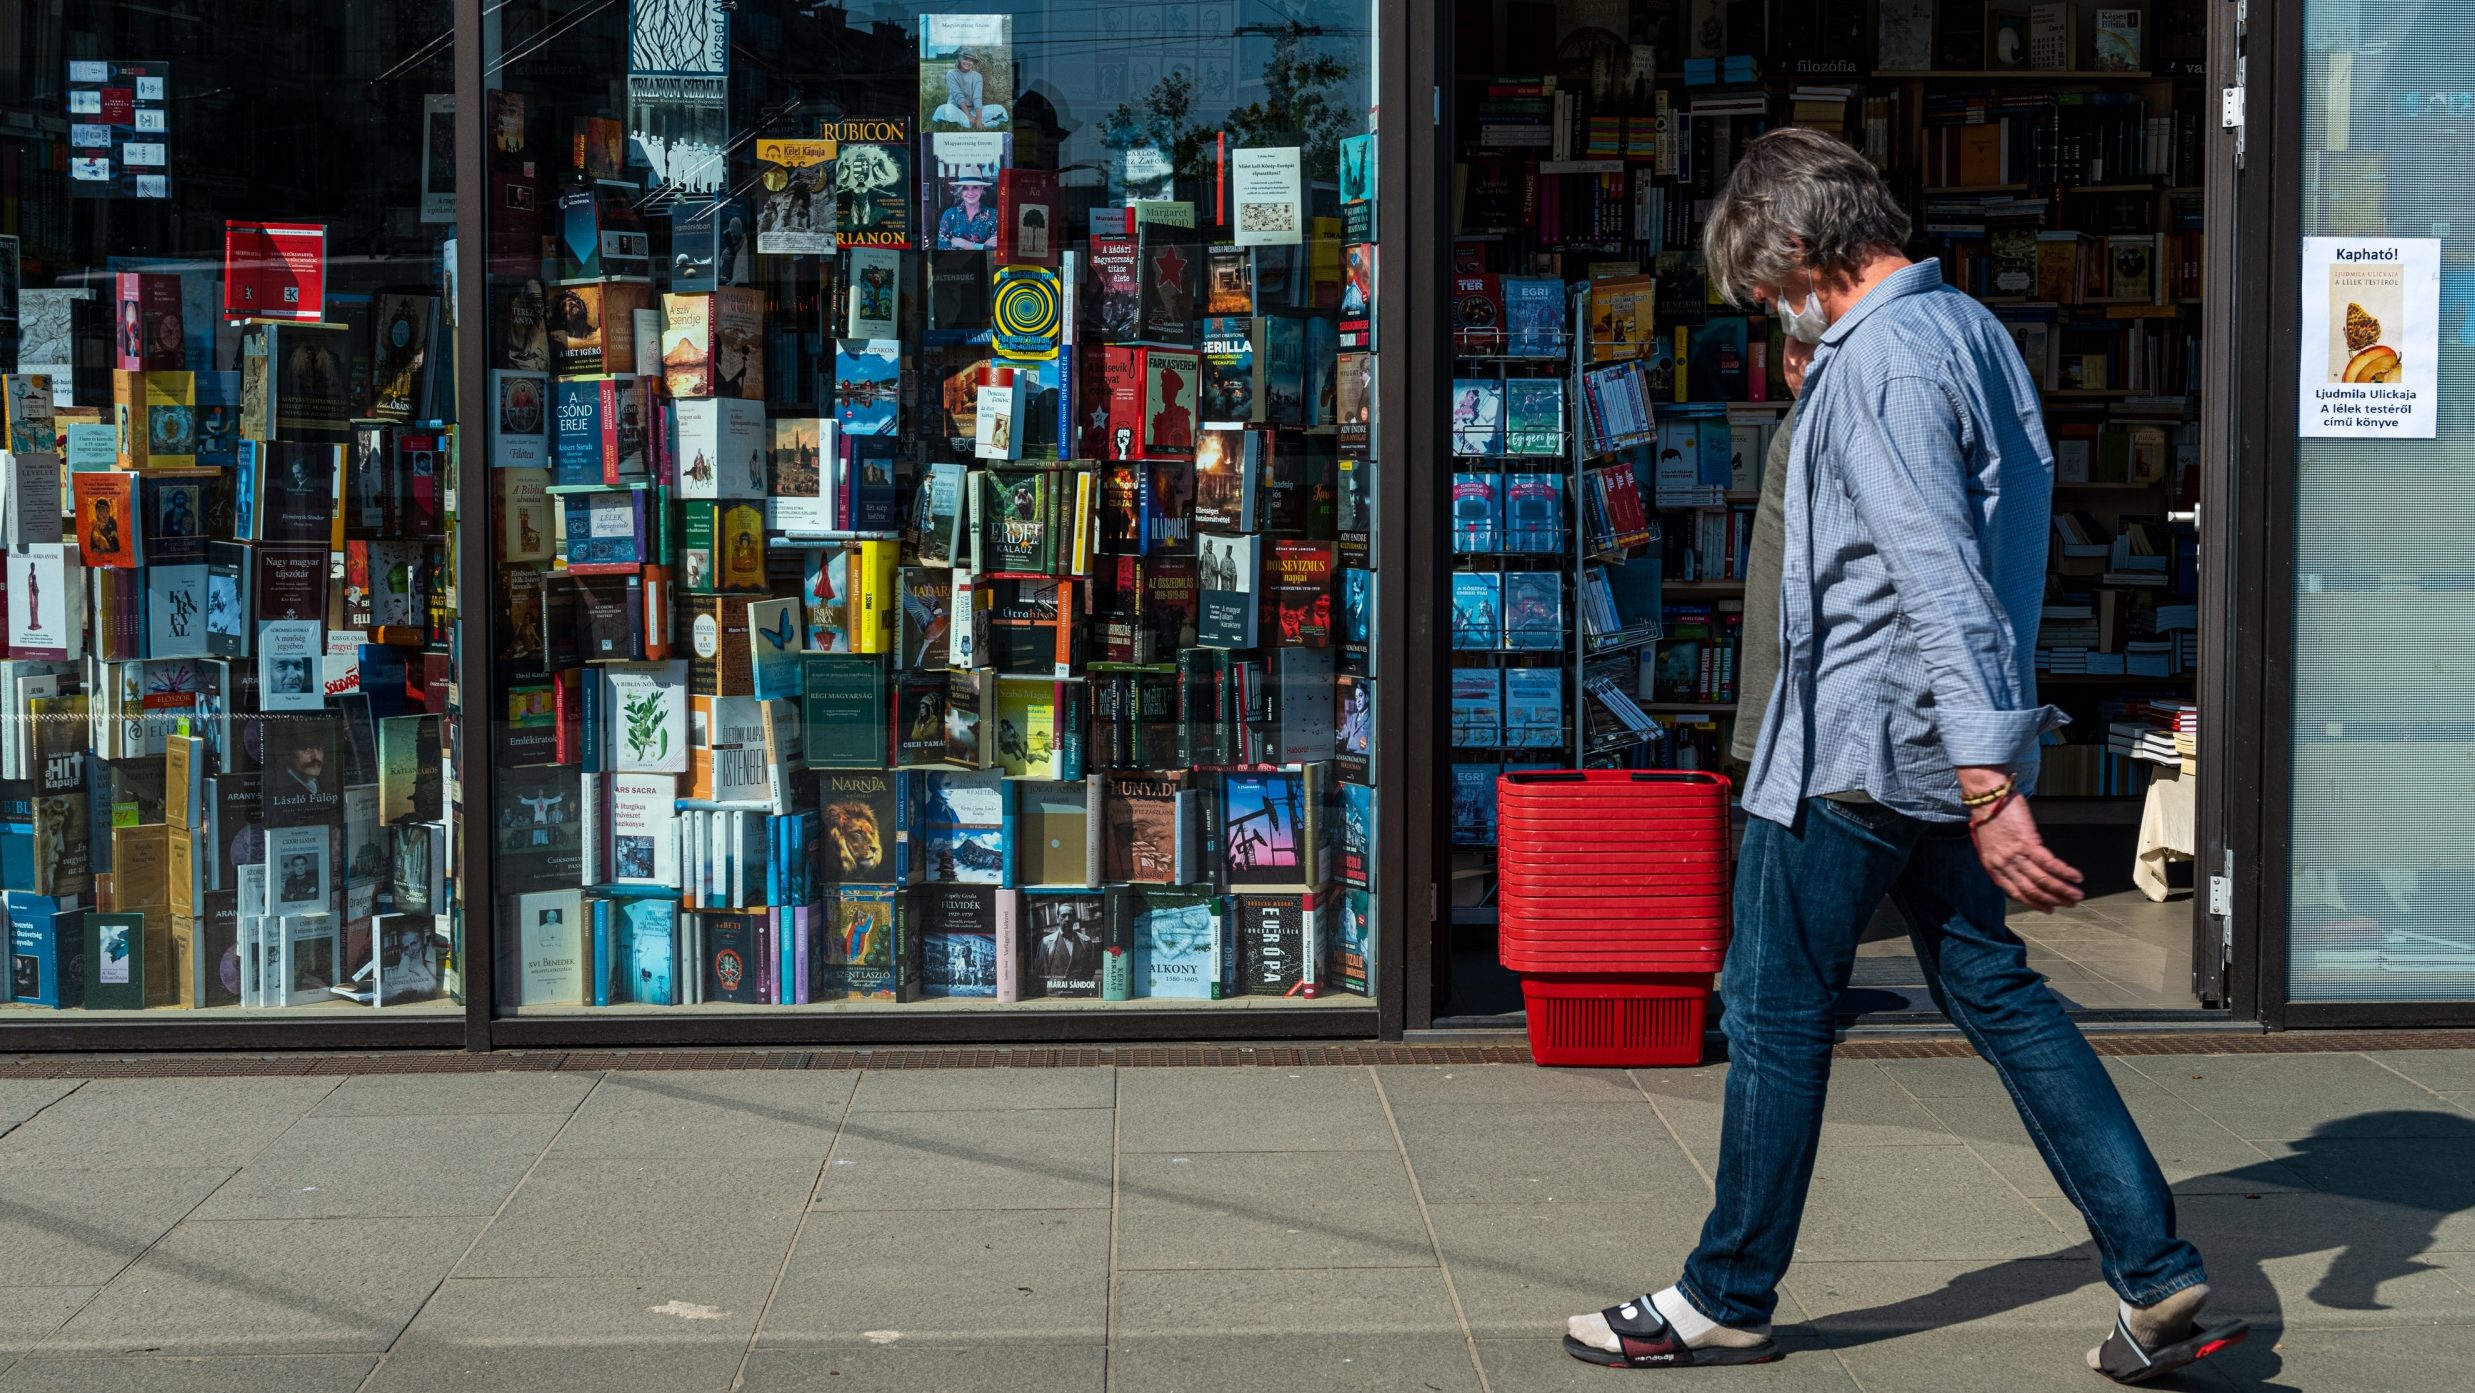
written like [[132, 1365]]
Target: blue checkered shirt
[[1919, 493]]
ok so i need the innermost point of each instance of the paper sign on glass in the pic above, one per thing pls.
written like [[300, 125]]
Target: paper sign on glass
[[2370, 360]]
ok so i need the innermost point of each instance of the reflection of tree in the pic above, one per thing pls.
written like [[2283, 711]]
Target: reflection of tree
[[1164, 123], [1300, 104]]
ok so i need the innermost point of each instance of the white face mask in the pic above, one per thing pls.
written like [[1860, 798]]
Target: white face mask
[[1805, 325]]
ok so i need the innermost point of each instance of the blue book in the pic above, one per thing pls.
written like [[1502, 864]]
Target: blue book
[[1473, 804], [1534, 316], [576, 454], [868, 482], [605, 532], [1477, 707], [47, 951], [604, 963], [1477, 512], [1477, 416], [777, 635], [1534, 611], [1533, 707], [1477, 610], [954, 947], [648, 946]]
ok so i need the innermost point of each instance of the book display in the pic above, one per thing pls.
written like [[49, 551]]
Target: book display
[[973, 604], [2053, 171], [228, 688]]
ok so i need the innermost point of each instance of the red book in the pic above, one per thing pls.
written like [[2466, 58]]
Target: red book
[[1027, 212], [1118, 405], [146, 323], [274, 270]]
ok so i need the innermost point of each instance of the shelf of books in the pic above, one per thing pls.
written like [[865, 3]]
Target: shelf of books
[[2049, 156], [224, 778], [943, 574]]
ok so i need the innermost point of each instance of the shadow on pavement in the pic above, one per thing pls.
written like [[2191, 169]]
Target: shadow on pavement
[[2392, 1210]]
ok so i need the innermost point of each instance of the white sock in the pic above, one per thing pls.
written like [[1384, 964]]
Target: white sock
[[1691, 1326], [2171, 1319]]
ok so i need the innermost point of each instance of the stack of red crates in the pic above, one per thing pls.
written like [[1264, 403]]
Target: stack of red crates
[[1612, 904]]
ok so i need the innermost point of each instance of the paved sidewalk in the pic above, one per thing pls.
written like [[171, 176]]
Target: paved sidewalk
[[1164, 1230]]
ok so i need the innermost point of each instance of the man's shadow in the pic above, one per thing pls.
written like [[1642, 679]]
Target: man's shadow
[[2410, 1167]]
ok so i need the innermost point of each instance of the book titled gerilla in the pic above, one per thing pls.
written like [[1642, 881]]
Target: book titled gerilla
[[1229, 574]]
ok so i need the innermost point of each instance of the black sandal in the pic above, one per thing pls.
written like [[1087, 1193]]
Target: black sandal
[[1648, 1344], [2123, 1359]]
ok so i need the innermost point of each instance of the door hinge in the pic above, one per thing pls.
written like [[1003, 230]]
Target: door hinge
[[2221, 897], [2230, 108]]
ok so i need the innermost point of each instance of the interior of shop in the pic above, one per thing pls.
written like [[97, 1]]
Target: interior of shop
[[2050, 157]]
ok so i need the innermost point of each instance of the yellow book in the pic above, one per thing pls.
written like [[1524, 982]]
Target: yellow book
[[878, 598], [155, 416]]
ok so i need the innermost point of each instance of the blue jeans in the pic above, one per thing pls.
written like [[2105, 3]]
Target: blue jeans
[[1803, 896]]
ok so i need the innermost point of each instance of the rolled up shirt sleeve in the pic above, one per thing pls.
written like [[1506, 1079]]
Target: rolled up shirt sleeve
[[1908, 480]]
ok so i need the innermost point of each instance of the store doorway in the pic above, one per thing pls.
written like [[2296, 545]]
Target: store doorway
[[2054, 158]]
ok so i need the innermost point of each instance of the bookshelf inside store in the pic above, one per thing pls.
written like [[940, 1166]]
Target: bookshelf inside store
[[2049, 156]]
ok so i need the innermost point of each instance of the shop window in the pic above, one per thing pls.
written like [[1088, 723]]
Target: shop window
[[227, 693], [929, 498]]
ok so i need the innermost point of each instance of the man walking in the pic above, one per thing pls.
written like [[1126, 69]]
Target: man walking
[[1897, 751]]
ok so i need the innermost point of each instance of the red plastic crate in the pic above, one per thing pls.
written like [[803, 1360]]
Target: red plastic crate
[[1617, 1021]]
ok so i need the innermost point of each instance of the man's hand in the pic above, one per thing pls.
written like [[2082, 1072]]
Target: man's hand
[[2013, 854]]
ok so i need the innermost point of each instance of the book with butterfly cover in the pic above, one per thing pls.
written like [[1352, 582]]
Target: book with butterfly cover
[[777, 635]]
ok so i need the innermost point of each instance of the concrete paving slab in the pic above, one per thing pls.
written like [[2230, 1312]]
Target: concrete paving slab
[[386, 1167], [1521, 1269], [457, 1095], [267, 1374], [581, 1334], [1301, 1364], [318, 1286], [2196, 1154], [1864, 1108], [1005, 1366], [1251, 1110], [1928, 1079], [71, 1228], [945, 1276], [2288, 1096], [1878, 1203], [1413, 1087], [27, 1314], [1034, 1159], [1287, 1304], [1228, 1209], [141, 1123], [2424, 1182], [2442, 1071], [750, 1115], [577, 1217], [2385, 1360], [1542, 1366], [23, 1098], [1926, 1327], [1561, 1153], [984, 1090], [2318, 1261]]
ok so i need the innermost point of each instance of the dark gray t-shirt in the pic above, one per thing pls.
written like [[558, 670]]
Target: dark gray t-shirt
[[1757, 651]]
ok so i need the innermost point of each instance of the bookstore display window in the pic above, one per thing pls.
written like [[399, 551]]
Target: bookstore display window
[[225, 698], [929, 458], [2382, 898], [1611, 420]]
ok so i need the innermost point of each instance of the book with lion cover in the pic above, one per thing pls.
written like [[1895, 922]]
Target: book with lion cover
[[858, 814]]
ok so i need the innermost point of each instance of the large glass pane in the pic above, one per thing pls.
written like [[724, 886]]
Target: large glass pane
[[929, 490], [226, 684], [2384, 664]]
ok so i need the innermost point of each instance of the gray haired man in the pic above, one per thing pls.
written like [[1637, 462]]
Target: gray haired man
[[1897, 751]]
